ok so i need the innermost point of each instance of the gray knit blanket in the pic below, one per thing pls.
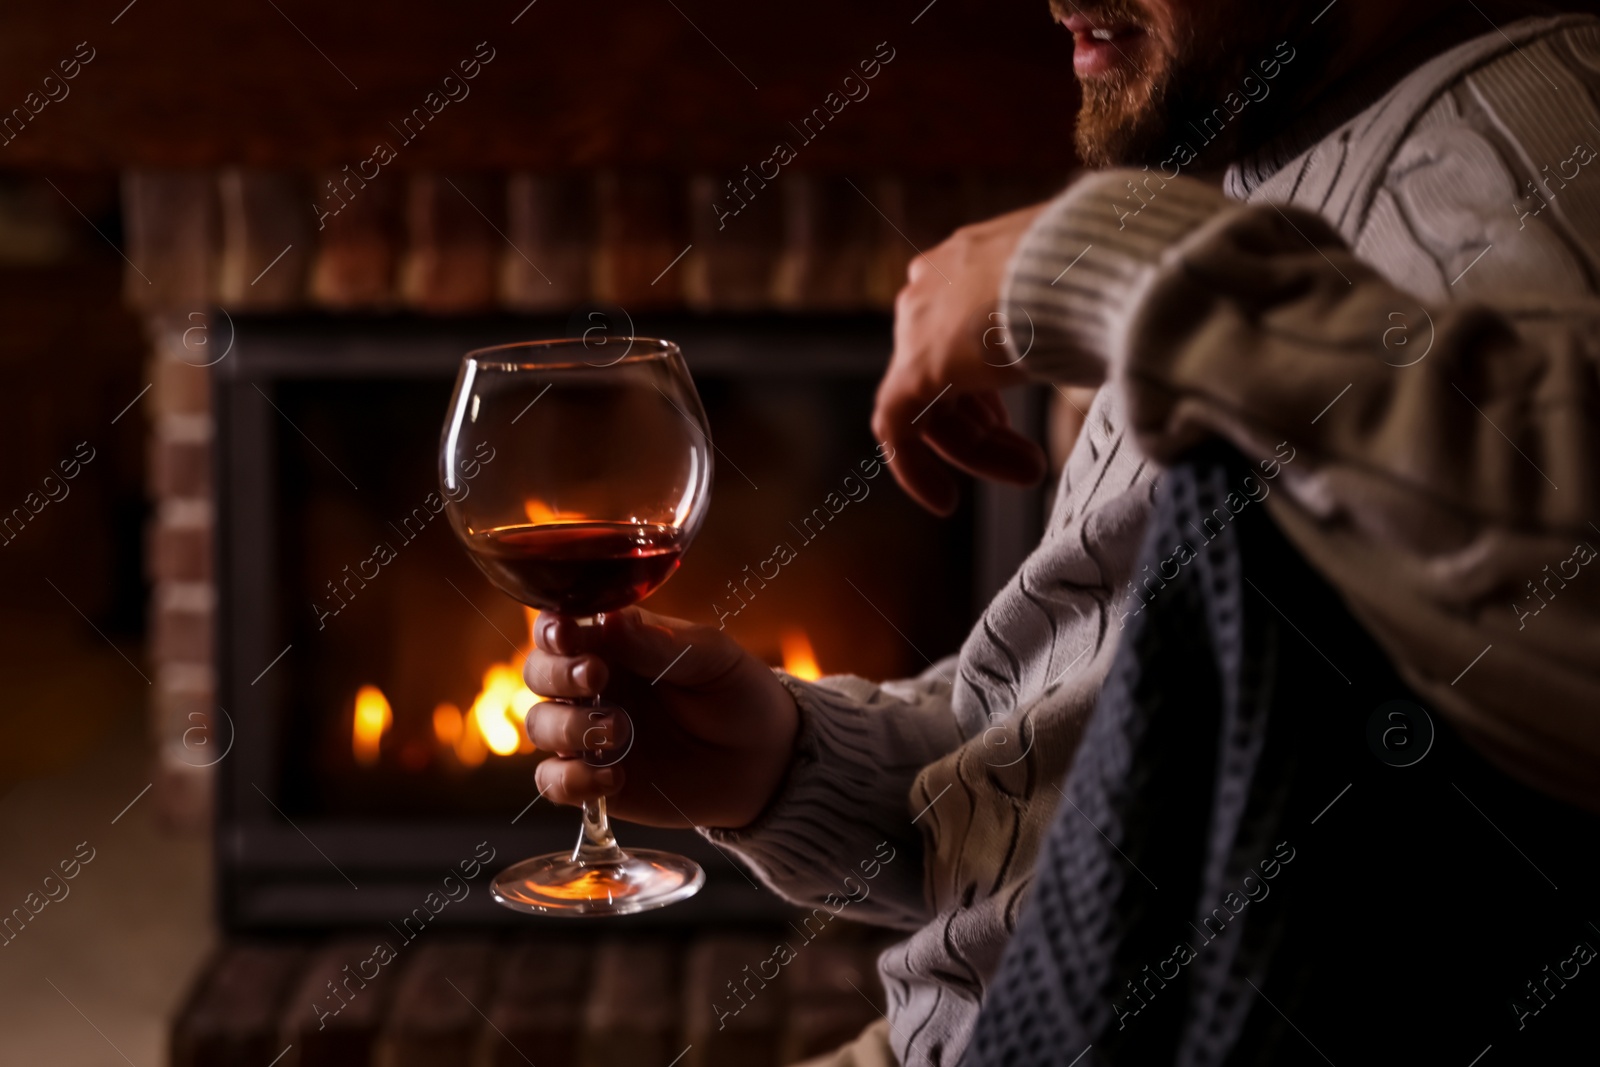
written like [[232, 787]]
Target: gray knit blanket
[[1273, 852]]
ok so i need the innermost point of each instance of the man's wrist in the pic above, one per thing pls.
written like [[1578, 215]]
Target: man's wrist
[[792, 754], [1070, 289]]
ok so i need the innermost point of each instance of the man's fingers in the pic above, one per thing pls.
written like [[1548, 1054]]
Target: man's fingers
[[564, 676], [572, 781], [1000, 455], [555, 727], [972, 437], [924, 476], [915, 466], [989, 408], [557, 634], [653, 647], [969, 431]]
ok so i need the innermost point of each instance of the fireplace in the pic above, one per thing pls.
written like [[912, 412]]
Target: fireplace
[[560, 181], [369, 675]]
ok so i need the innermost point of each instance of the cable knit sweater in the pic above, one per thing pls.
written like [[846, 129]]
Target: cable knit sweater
[[1398, 313]]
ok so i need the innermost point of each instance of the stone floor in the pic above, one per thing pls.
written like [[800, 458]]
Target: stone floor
[[94, 977], [587, 996]]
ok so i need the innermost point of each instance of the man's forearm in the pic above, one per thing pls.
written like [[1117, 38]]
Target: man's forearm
[[839, 835]]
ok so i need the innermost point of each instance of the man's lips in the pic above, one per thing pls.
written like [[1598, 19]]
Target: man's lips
[[1099, 45]]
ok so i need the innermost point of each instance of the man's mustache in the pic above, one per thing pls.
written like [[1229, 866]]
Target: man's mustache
[[1119, 12]]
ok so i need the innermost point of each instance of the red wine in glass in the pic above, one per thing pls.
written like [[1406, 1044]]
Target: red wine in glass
[[579, 568], [576, 473]]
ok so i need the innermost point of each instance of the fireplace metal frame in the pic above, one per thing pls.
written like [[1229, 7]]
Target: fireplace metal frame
[[274, 875]]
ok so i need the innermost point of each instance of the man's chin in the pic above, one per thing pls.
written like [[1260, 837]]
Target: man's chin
[[1116, 137], [1145, 135], [1122, 118], [1100, 148]]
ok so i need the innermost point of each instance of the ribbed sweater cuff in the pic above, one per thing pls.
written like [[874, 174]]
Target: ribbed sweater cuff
[[1070, 288], [840, 825]]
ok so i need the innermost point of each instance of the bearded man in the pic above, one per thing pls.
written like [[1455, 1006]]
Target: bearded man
[[1357, 240]]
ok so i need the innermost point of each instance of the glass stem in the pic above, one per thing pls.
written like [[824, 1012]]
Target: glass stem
[[596, 842]]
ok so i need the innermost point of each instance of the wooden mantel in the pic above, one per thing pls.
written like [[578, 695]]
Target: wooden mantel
[[703, 85]]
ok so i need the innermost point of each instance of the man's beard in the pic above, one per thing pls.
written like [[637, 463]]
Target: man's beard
[[1181, 76]]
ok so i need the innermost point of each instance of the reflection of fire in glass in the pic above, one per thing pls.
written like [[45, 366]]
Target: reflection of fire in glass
[[541, 514], [493, 722], [799, 659], [372, 720]]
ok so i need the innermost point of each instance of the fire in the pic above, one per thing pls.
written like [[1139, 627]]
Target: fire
[[799, 659], [499, 710], [372, 720], [494, 719], [455, 731], [447, 725], [493, 722]]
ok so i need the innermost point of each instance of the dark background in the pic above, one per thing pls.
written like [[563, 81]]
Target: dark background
[[572, 84]]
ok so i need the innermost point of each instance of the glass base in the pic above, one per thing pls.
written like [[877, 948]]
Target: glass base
[[558, 884]]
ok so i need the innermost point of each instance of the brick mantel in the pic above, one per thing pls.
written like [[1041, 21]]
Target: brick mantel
[[454, 243]]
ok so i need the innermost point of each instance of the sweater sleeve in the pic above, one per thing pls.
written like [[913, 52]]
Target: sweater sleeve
[[840, 833], [1441, 459]]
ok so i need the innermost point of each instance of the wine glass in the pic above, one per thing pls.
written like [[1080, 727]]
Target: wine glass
[[576, 472]]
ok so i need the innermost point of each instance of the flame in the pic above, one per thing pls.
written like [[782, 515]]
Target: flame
[[500, 707], [799, 659], [493, 722], [372, 720], [469, 747], [498, 712], [447, 725]]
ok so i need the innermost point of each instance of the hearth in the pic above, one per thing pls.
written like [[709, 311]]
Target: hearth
[[369, 674]]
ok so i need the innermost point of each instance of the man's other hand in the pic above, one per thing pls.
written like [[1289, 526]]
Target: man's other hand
[[939, 405]]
